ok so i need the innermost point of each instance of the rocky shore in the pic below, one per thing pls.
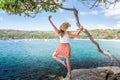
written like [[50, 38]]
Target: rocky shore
[[100, 73]]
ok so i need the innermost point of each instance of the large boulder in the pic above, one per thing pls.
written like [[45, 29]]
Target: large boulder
[[100, 73]]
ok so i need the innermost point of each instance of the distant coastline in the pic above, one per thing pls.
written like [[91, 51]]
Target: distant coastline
[[57, 39], [97, 34]]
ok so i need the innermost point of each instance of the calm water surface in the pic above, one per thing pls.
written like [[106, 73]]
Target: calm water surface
[[23, 59]]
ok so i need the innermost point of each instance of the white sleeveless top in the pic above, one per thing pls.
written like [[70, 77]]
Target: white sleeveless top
[[65, 38]]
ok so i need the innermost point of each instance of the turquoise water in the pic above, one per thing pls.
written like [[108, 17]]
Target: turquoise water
[[32, 59]]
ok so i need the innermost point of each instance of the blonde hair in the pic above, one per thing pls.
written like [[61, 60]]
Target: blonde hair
[[63, 28]]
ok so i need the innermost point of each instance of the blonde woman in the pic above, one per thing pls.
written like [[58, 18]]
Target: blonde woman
[[64, 49]]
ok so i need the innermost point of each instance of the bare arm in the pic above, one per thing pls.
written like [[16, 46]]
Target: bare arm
[[76, 33], [55, 28]]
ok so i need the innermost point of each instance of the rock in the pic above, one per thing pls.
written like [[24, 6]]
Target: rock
[[114, 69], [60, 78], [100, 73], [55, 77]]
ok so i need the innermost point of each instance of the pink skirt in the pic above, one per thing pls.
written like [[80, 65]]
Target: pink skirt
[[63, 50]]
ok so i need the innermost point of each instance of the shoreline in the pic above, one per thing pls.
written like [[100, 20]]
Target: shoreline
[[58, 39]]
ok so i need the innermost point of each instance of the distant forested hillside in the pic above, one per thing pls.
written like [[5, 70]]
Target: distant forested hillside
[[21, 34]]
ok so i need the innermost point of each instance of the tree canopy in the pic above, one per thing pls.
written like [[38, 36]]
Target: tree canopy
[[32, 7]]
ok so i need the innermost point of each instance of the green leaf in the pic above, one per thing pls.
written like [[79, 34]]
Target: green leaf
[[105, 1]]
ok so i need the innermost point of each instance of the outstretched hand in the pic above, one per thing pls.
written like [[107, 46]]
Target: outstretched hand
[[49, 17], [80, 26]]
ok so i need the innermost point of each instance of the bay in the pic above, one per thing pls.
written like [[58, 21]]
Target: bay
[[32, 59]]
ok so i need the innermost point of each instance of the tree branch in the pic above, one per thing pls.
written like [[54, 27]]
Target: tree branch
[[42, 1], [70, 9], [107, 3], [107, 53], [94, 4]]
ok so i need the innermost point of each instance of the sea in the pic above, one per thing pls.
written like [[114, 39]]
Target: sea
[[32, 59]]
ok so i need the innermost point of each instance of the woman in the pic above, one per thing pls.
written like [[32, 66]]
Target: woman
[[64, 49]]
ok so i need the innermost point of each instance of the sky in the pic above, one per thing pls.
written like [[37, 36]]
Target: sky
[[95, 18]]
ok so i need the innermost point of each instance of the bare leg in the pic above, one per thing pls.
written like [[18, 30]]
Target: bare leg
[[68, 68], [59, 60]]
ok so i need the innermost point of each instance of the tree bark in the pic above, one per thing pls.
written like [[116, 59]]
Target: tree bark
[[107, 53]]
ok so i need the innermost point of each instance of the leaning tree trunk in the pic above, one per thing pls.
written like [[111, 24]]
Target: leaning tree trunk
[[107, 53]]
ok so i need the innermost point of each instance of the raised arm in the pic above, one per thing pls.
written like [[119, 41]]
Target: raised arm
[[77, 32], [54, 27]]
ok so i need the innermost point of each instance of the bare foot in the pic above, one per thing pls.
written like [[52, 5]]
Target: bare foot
[[69, 76]]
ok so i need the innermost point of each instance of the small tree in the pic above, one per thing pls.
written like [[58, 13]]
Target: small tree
[[32, 7]]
